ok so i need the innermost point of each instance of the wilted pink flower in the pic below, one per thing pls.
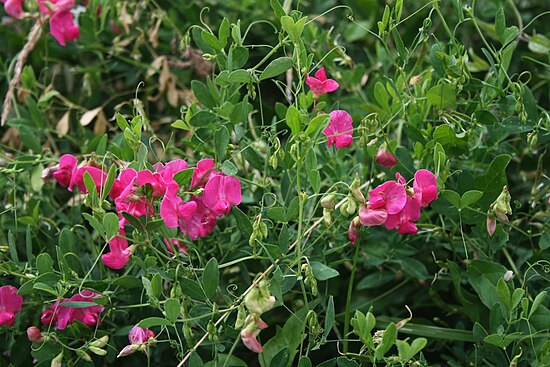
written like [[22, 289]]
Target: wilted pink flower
[[119, 254], [250, 333], [220, 193], [14, 8], [353, 230], [62, 315], [139, 338], [385, 158], [491, 224], [10, 304], [62, 27], [340, 129], [320, 84], [425, 187], [202, 172], [34, 334]]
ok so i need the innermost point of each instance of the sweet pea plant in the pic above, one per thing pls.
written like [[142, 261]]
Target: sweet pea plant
[[267, 184]]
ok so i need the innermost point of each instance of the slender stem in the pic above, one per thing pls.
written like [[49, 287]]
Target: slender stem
[[438, 11], [300, 208], [348, 300]]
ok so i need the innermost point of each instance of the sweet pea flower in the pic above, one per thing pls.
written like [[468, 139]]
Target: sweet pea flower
[[386, 199], [220, 193], [14, 8], [172, 210], [425, 187], [250, 333], [339, 130], [353, 230], [139, 338], [62, 315], [202, 222], [50, 7], [10, 304], [385, 158], [62, 27], [119, 254], [68, 175], [320, 84], [34, 334], [202, 173]]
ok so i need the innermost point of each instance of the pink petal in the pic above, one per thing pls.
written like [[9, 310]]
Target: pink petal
[[330, 85], [372, 217], [233, 192], [201, 172], [396, 199], [344, 141], [10, 301], [407, 228], [321, 75], [249, 340], [7, 318], [491, 225], [14, 8]]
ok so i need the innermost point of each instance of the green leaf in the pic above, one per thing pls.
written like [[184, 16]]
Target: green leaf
[[345, 362], [504, 294], [239, 76], [203, 94], [211, 41], [294, 29], [182, 125], [483, 276], [13, 247], [316, 123], [539, 44], [390, 335], [211, 278], [276, 67], [442, 96], [77, 304], [221, 141], [44, 263], [500, 24], [323, 272], [45, 288], [329, 318], [110, 223], [172, 309], [544, 241], [243, 223], [154, 321], [183, 178], [469, 198], [280, 359], [223, 32], [294, 120], [192, 289], [492, 182], [536, 303], [121, 122], [156, 285], [229, 168], [304, 361], [96, 225], [452, 197]]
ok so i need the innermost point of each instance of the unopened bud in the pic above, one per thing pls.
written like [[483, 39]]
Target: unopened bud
[[101, 342], [241, 316], [356, 190], [83, 355], [508, 275], [56, 362], [98, 351], [34, 334], [327, 201]]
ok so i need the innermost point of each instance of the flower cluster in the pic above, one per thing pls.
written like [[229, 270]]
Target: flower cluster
[[60, 315], [10, 304], [140, 339], [211, 195], [62, 23], [396, 205]]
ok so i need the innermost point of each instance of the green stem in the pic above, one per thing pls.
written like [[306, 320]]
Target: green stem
[[348, 300], [447, 29]]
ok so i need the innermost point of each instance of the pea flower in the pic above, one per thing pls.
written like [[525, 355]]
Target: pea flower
[[499, 208], [386, 199], [220, 193], [34, 334], [62, 27], [62, 315], [339, 130], [320, 84], [14, 8], [249, 334], [385, 158], [120, 252], [10, 304], [140, 339]]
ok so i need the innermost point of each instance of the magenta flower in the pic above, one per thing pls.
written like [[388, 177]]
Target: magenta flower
[[139, 340], [220, 193], [202, 222], [119, 254], [67, 174], [10, 304], [62, 27], [54, 6], [172, 210], [385, 158], [353, 230], [320, 84], [404, 220], [63, 315], [425, 187], [14, 8], [386, 199], [340, 129], [202, 172]]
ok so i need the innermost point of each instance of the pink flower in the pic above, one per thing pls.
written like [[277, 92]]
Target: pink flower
[[385, 158], [320, 84], [404, 220], [386, 199], [67, 174], [55, 6], [34, 334], [353, 230], [425, 187], [172, 210], [250, 333], [339, 129], [172, 244], [201, 223], [491, 224], [10, 304], [202, 172], [63, 315], [119, 254], [62, 27], [139, 339], [14, 8], [220, 193]]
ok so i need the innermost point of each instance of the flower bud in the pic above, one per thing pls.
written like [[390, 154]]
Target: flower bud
[[491, 223], [101, 342], [129, 349], [241, 316], [353, 230], [96, 350], [83, 355], [508, 275], [356, 190], [34, 334], [259, 300], [327, 216], [385, 158]]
